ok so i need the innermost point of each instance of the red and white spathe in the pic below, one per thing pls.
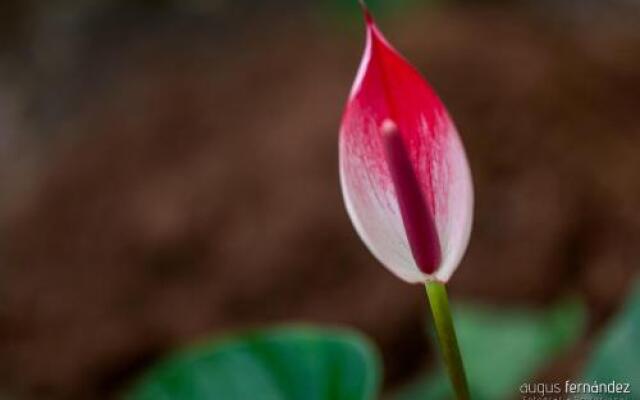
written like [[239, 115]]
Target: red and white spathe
[[404, 174]]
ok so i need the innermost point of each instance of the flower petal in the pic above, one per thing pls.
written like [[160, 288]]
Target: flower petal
[[388, 88]]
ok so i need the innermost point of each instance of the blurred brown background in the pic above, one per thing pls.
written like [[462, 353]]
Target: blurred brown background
[[168, 171]]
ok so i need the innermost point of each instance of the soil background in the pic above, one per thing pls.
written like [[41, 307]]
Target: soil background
[[169, 172]]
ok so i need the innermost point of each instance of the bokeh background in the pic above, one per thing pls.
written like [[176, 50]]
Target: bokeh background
[[168, 171]]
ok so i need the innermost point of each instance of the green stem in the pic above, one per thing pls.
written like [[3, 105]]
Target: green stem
[[437, 294]]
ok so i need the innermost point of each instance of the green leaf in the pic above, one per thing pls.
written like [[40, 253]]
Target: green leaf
[[287, 363], [616, 356], [504, 348]]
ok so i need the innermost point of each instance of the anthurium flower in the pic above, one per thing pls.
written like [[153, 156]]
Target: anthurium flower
[[403, 170]]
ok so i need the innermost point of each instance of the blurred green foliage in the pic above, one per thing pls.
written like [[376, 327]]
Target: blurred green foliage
[[617, 355], [504, 348], [286, 363]]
